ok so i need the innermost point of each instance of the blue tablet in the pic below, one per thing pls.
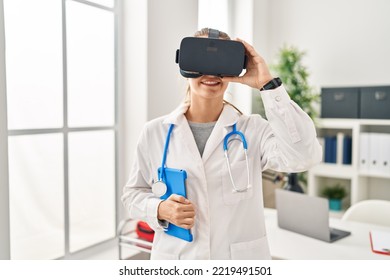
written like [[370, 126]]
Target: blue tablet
[[175, 180]]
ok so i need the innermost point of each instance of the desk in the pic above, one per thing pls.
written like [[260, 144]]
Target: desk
[[286, 244]]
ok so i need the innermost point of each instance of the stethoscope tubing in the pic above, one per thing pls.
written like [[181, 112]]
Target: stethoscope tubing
[[164, 158], [245, 147], [226, 153], [234, 132]]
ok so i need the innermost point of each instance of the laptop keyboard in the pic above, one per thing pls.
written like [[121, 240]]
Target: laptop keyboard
[[333, 235], [336, 234]]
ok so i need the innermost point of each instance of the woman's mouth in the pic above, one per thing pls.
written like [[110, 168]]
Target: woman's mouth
[[210, 82]]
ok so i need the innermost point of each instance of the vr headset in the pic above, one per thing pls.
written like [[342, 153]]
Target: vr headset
[[199, 56]]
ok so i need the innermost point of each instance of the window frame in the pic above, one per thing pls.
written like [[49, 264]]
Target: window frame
[[65, 130]]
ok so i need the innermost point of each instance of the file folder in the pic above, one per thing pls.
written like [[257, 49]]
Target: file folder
[[364, 151], [374, 155], [380, 242], [384, 159], [339, 147], [327, 154], [347, 150], [330, 149], [333, 149]]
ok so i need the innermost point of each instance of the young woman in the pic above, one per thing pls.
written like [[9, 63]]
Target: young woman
[[225, 224]]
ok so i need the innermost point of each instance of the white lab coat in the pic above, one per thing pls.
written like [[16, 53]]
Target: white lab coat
[[228, 225]]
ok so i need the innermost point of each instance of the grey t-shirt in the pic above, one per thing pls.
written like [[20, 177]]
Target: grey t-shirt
[[201, 132]]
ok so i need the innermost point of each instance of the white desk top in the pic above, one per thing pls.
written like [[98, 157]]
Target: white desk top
[[285, 244]]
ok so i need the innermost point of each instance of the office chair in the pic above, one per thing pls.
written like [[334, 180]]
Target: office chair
[[371, 211]]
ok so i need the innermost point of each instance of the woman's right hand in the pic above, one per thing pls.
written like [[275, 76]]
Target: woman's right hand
[[177, 210], [257, 73]]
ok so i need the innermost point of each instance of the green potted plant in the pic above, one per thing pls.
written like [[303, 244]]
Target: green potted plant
[[294, 75], [335, 194]]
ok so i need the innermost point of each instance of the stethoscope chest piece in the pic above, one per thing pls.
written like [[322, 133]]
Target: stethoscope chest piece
[[159, 188]]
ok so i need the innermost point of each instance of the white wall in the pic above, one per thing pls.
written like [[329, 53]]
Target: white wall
[[261, 27], [168, 22], [4, 193], [347, 41], [132, 81], [241, 26]]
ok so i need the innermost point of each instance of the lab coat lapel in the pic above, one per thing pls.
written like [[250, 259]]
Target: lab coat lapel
[[228, 117], [182, 130]]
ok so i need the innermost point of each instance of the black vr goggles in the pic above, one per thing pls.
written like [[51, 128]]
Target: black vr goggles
[[199, 56]]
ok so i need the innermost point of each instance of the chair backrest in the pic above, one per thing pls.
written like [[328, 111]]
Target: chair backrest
[[371, 211]]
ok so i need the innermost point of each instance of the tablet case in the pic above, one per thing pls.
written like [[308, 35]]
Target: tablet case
[[175, 181]]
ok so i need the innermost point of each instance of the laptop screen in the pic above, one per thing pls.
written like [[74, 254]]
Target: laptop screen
[[303, 214]]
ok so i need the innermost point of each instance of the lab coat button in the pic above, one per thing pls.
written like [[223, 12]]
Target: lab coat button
[[277, 98]]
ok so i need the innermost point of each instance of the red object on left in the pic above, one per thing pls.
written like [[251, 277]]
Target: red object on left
[[144, 231]]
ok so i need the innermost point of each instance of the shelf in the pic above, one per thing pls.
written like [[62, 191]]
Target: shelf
[[349, 123], [374, 122], [362, 184], [373, 175], [343, 171], [333, 170], [336, 123]]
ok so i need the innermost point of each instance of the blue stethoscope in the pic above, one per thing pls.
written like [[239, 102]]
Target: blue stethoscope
[[226, 142], [159, 188]]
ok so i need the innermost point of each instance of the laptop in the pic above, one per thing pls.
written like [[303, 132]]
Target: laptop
[[307, 215]]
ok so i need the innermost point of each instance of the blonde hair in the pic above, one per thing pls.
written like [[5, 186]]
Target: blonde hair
[[205, 32], [201, 33]]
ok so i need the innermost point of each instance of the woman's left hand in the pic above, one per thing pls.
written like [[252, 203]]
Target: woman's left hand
[[257, 72]]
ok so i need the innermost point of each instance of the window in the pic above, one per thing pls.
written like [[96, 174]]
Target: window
[[61, 95]]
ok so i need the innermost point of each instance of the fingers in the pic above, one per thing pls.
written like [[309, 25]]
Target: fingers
[[182, 211], [249, 48], [179, 198], [188, 223], [183, 215], [232, 79], [181, 208], [185, 223]]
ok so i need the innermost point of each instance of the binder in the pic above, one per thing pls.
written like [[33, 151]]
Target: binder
[[175, 181], [330, 149], [364, 151], [380, 242], [374, 153], [327, 149], [339, 147], [384, 159], [347, 150], [333, 149]]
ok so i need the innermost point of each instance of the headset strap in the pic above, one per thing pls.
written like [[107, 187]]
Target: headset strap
[[213, 33]]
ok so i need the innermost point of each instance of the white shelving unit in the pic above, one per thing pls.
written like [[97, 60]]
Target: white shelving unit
[[360, 185]]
